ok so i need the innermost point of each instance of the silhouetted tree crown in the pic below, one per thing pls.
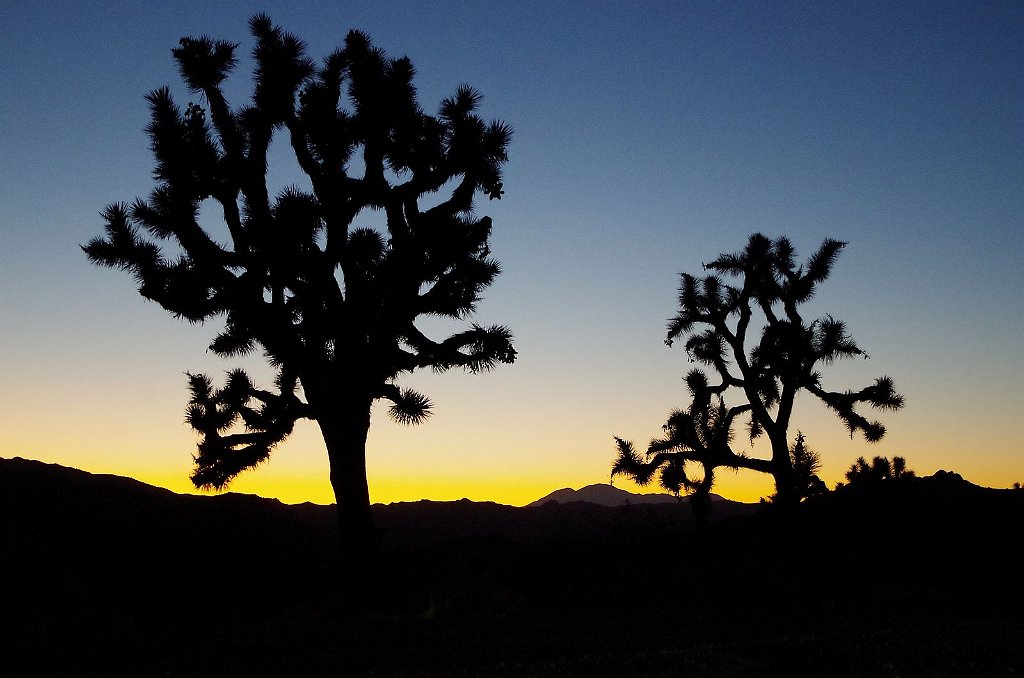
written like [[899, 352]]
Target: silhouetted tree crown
[[327, 281], [761, 352]]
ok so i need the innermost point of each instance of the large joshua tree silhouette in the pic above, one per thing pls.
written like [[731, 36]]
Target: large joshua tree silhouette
[[717, 321], [328, 281]]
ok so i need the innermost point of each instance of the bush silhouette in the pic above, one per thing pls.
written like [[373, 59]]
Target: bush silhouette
[[861, 473]]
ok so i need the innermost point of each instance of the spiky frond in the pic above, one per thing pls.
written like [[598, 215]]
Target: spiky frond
[[234, 340], [628, 463], [696, 382], [783, 254], [707, 347], [819, 266], [882, 394], [831, 341], [458, 106], [673, 476], [204, 63], [666, 466], [409, 407], [281, 69], [478, 349]]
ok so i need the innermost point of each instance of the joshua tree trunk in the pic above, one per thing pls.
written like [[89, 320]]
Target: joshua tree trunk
[[345, 434], [782, 469], [345, 437]]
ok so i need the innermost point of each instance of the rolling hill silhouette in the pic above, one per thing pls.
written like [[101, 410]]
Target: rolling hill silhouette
[[102, 575], [39, 498]]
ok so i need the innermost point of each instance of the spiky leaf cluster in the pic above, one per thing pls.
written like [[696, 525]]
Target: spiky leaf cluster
[[327, 280]]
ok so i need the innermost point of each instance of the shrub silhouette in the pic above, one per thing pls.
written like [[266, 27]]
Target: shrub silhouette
[[327, 283], [861, 473]]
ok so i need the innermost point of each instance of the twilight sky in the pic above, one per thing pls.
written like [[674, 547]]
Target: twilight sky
[[650, 137]]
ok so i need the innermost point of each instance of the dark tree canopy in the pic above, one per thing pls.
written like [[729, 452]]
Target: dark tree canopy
[[326, 280], [759, 352]]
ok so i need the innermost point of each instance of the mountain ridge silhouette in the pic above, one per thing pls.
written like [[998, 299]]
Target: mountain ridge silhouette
[[54, 497], [605, 494], [100, 561], [66, 503], [601, 494]]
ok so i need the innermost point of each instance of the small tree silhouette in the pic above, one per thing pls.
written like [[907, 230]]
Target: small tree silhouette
[[329, 282], [700, 435], [806, 464], [717, 322]]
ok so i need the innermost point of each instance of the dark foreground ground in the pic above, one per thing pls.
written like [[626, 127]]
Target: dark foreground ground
[[105, 576]]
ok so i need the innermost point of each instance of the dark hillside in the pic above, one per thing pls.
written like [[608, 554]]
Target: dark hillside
[[107, 576]]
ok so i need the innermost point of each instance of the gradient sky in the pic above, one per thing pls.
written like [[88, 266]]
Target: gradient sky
[[650, 137]]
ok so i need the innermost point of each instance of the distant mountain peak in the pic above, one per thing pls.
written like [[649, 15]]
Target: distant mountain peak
[[604, 494]]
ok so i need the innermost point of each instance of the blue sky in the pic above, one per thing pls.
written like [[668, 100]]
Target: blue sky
[[650, 137]]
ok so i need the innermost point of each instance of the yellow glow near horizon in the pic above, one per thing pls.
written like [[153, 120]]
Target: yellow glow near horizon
[[743, 486], [458, 454], [312, 485], [291, 487]]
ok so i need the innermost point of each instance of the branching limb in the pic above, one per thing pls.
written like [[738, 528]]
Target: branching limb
[[881, 395], [478, 349], [268, 418]]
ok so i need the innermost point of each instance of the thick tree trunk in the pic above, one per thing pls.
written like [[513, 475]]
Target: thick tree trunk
[[786, 495], [700, 501], [345, 437]]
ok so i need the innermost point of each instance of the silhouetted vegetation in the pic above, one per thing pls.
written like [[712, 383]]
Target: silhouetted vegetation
[[861, 473], [332, 305], [106, 576], [717, 320], [806, 464], [700, 434]]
